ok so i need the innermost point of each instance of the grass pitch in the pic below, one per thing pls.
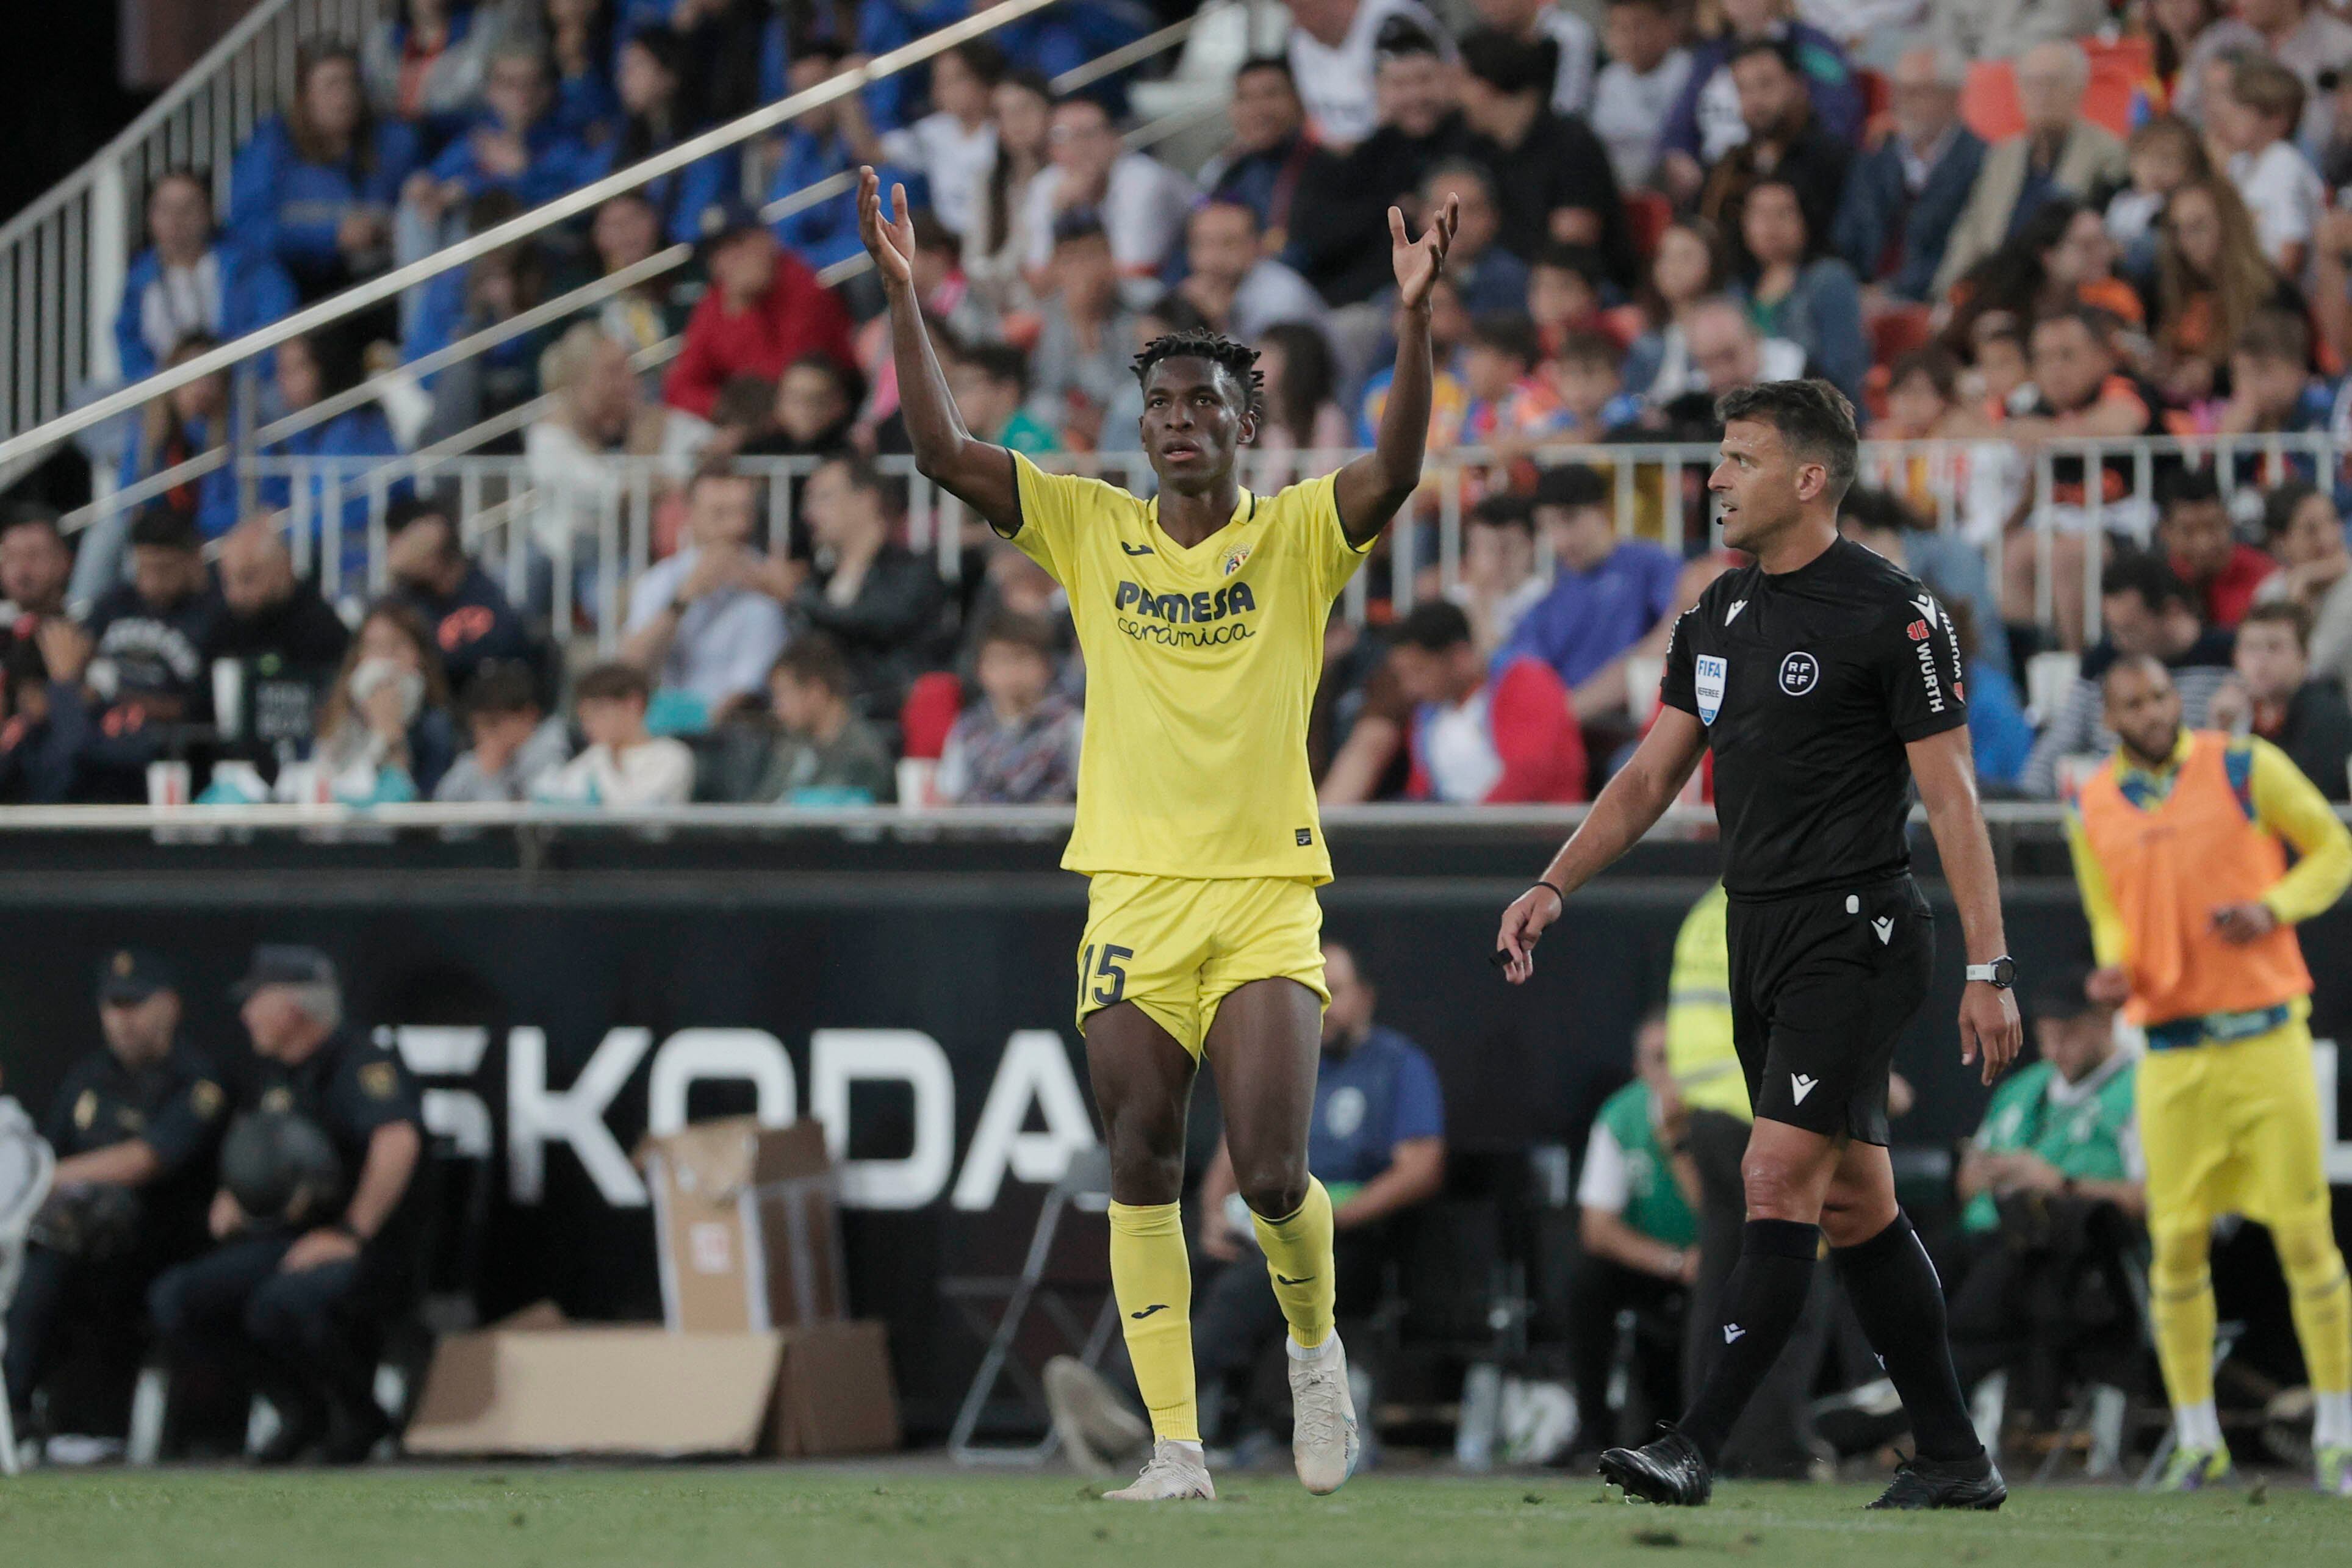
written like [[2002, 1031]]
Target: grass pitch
[[684, 1517]]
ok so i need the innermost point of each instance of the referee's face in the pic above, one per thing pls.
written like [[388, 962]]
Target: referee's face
[[1758, 484]]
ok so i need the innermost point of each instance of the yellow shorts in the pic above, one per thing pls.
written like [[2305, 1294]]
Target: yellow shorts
[[1177, 947], [2233, 1129]]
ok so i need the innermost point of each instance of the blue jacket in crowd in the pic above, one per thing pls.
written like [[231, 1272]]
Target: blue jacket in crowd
[[686, 197], [559, 163], [293, 209], [210, 498], [361, 432], [827, 232], [1879, 211], [1822, 316], [255, 291]]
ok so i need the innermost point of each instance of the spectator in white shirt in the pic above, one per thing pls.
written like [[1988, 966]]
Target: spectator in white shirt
[[1141, 201], [2253, 121], [1233, 283], [954, 146], [1332, 60], [600, 412], [707, 624], [1531, 21], [1646, 70], [2304, 37], [624, 764]]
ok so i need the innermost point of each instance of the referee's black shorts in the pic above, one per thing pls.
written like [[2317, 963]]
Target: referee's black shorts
[[1821, 985]]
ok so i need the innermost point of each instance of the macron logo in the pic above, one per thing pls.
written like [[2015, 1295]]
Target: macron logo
[[1732, 614], [1884, 926], [1732, 1332], [1802, 1085]]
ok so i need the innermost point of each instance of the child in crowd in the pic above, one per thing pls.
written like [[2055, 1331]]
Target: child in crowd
[[2004, 374], [1509, 404], [516, 743], [826, 755], [1585, 375], [624, 764], [1018, 745], [2164, 154], [816, 403], [2255, 121], [990, 383], [1564, 296]]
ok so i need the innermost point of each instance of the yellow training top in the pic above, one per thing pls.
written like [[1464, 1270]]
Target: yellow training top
[[1200, 669]]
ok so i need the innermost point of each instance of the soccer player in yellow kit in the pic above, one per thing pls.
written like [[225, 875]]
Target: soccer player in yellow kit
[[2180, 850], [1200, 616]]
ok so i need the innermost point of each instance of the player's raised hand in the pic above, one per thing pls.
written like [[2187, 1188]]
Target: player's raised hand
[[1991, 1033], [1419, 261], [1523, 927], [890, 242]]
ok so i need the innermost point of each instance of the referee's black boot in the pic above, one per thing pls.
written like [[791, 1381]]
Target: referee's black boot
[[1669, 1470], [1947, 1483]]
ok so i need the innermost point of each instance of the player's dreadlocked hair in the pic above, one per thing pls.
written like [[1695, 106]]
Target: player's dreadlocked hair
[[1198, 343]]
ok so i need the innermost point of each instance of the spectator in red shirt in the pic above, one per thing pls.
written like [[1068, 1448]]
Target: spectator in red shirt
[[1483, 737], [2194, 534], [764, 311]]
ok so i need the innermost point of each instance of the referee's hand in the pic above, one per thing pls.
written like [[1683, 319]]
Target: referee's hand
[[1523, 925], [1989, 1030]]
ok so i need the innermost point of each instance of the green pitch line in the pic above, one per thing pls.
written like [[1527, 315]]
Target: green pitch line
[[686, 1517]]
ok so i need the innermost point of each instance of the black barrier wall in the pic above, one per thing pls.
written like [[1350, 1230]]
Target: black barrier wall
[[925, 1020]]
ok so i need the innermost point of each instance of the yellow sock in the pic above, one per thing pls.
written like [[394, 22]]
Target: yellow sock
[[2322, 1300], [2181, 1300], [1298, 1256], [1152, 1277]]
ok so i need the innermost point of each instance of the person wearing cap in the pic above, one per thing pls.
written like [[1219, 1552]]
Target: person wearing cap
[[140, 1115], [765, 308], [298, 1306]]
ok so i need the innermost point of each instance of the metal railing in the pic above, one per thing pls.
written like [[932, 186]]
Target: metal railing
[[577, 540], [63, 259], [589, 297], [392, 284]]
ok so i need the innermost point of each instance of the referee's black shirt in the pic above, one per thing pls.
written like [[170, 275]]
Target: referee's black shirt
[[1809, 684]]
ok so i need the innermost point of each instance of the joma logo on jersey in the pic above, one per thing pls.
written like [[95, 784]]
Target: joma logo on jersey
[[1185, 609]]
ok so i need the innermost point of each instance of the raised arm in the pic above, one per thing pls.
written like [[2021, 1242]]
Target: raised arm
[[1369, 490], [1631, 801], [1989, 1031], [980, 475]]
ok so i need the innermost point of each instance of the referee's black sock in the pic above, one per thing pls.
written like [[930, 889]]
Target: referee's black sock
[[1899, 1303], [1761, 1300]]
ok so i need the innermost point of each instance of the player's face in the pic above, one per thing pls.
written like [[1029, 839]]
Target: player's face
[[1194, 415], [1755, 484], [2144, 709]]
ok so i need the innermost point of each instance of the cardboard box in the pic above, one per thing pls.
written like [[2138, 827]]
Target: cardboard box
[[834, 1394], [746, 1227], [535, 1384]]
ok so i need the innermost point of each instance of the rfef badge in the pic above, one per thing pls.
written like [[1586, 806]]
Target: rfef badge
[[1711, 671]]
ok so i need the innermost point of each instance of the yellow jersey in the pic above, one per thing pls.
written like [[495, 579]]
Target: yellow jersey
[[1200, 668], [1700, 1052]]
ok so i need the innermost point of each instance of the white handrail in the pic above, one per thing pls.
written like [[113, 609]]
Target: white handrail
[[63, 257], [392, 283]]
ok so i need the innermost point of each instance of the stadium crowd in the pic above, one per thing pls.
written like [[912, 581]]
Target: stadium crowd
[[1654, 210]]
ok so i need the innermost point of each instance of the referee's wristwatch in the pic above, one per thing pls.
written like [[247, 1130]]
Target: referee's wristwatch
[[2001, 974]]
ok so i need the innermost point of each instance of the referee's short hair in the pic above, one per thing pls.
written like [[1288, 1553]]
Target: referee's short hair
[[1812, 417]]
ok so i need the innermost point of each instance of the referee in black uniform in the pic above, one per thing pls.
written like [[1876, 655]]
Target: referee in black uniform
[[1826, 681]]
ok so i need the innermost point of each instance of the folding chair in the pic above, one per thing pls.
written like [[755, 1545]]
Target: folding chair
[[1085, 1184], [27, 1165]]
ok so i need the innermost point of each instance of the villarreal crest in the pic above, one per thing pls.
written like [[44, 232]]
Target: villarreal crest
[[1233, 559]]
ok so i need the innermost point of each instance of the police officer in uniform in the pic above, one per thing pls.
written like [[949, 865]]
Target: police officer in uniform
[[298, 1304], [134, 1126]]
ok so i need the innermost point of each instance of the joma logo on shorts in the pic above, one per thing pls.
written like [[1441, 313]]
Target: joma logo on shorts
[[1185, 608]]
